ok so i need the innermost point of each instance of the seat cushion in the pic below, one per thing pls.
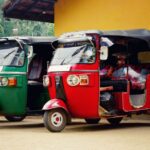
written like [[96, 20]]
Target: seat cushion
[[118, 85]]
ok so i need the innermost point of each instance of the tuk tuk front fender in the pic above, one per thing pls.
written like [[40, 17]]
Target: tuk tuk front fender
[[55, 103]]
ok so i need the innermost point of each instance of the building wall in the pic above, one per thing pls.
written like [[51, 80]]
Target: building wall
[[72, 15]]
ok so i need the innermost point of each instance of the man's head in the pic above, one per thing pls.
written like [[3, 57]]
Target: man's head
[[121, 59]]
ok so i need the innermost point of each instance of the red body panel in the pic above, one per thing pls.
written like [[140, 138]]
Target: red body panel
[[148, 91], [123, 99], [82, 101]]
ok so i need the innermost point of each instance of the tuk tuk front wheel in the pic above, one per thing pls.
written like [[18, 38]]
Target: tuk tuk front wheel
[[55, 120], [92, 121], [114, 121], [15, 118]]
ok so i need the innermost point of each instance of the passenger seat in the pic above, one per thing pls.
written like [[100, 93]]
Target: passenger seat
[[35, 70]]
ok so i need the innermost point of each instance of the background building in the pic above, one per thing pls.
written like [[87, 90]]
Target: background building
[[101, 14]]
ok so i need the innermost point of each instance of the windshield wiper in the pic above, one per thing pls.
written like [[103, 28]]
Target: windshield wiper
[[75, 53], [9, 53], [78, 50]]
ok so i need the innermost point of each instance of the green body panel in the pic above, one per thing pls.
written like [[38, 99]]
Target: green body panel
[[13, 100]]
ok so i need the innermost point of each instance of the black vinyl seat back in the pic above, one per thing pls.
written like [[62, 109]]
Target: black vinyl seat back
[[35, 69], [118, 85]]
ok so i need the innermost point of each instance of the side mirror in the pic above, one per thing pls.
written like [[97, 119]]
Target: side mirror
[[103, 53]]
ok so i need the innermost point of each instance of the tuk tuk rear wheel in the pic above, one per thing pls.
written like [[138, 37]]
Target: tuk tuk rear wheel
[[55, 120], [114, 121], [92, 121], [15, 118]]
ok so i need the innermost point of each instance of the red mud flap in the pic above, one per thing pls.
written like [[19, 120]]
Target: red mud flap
[[55, 103]]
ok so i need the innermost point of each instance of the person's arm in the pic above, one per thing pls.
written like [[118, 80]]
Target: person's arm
[[107, 88], [110, 71]]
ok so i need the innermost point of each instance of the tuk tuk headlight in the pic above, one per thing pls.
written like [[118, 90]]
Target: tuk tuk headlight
[[73, 80], [4, 81], [46, 81]]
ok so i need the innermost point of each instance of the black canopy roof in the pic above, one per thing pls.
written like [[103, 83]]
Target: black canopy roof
[[138, 39]]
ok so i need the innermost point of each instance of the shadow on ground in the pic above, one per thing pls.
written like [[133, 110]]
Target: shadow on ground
[[73, 127], [103, 127]]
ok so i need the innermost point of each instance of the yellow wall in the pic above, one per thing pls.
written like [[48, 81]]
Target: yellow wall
[[72, 15]]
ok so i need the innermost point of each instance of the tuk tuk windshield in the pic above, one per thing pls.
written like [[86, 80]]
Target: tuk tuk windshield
[[11, 54], [81, 52]]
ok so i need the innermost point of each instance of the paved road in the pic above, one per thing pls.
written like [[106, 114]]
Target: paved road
[[32, 135]]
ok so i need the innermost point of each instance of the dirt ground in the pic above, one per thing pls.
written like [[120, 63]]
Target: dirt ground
[[132, 134]]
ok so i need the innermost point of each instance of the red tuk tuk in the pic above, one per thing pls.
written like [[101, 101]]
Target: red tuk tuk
[[78, 80]]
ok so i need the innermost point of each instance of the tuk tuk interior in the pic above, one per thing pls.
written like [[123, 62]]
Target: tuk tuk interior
[[130, 82], [37, 68]]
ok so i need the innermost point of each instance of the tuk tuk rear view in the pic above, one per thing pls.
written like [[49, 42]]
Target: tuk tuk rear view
[[96, 75]]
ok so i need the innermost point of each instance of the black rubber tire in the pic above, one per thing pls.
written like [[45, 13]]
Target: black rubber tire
[[15, 118], [92, 121], [114, 121], [52, 125], [69, 121]]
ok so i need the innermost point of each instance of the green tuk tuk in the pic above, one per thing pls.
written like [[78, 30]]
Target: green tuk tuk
[[23, 62]]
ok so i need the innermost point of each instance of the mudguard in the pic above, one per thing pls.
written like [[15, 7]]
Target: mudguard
[[55, 103]]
